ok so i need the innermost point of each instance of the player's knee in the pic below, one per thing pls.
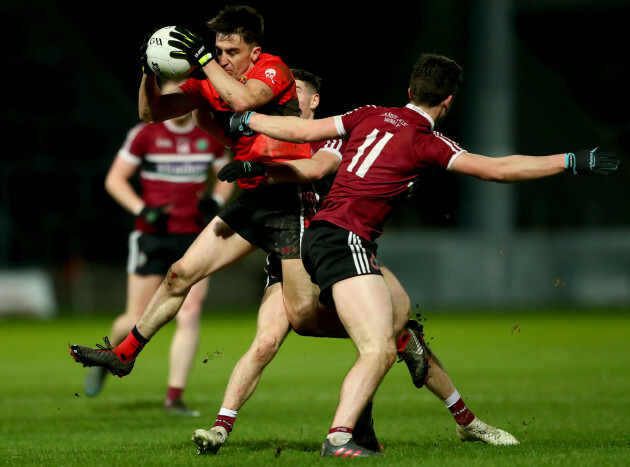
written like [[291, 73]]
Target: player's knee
[[177, 281], [265, 348], [188, 316]]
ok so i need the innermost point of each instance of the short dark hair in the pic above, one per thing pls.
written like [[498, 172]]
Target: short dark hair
[[308, 77], [433, 79], [239, 19]]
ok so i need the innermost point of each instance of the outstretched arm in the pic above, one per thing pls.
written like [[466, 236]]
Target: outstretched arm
[[296, 171], [518, 168], [292, 129]]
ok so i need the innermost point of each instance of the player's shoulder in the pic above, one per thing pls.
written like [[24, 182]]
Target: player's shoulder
[[139, 129], [268, 63], [266, 59]]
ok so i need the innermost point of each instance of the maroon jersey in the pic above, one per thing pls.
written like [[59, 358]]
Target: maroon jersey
[[272, 71], [314, 193], [174, 163], [386, 149]]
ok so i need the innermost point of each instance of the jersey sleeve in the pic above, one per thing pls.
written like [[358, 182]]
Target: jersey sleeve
[[274, 73], [135, 146], [334, 146], [439, 150], [344, 123]]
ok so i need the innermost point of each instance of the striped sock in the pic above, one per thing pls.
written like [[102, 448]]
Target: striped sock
[[461, 413], [226, 418], [339, 435], [129, 349]]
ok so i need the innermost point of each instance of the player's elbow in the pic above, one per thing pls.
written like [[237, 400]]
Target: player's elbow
[[147, 117]]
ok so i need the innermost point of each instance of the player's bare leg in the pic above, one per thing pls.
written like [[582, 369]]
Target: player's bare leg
[[272, 328], [307, 316], [184, 349], [364, 307], [217, 247]]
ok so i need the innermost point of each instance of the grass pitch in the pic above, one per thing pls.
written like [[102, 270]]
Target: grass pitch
[[558, 381]]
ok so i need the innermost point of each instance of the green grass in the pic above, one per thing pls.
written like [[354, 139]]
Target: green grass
[[558, 381]]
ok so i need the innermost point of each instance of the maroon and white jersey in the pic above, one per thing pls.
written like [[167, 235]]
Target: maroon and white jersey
[[174, 163], [386, 149], [313, 194]]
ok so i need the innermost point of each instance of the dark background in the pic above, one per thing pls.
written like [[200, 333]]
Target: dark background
[[72, 74]]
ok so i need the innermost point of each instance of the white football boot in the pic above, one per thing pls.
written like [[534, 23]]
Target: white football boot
[[210, 441], [481, 431]]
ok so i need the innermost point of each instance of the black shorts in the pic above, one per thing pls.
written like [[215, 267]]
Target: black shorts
[[273, 270], [154, 254], [331, 254], [270, 217]]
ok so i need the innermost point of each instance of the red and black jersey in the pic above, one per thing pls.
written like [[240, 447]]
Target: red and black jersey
[[174, 163], [272, 71], [386, 149]]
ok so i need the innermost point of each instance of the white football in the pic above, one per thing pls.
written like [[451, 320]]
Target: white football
[[159, 56]]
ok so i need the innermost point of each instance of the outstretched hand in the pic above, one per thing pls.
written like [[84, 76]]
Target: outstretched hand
[[590, 161], [241, 169]]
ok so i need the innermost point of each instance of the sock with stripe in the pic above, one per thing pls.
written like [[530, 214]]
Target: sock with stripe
[[129, 349], [226, 418], [461, 413], [339, 435]]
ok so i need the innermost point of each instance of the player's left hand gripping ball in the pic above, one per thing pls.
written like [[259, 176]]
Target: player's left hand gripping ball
[[190, 47]]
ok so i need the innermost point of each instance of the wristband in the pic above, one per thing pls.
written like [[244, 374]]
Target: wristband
[[569, 162]]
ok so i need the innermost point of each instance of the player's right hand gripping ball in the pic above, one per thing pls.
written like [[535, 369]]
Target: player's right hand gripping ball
[[144, 64], [590, 161], [239, 125], [241, 169]]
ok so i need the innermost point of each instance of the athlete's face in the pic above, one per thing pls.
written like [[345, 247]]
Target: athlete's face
[[308, 100], [235, 56]]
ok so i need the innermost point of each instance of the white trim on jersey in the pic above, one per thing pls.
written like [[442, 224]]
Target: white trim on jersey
[[453, 157], [449, 142], [339, 125], [359, 255], [333, 146], [421, 112], [173, 178], [134, 251], [131, 158]]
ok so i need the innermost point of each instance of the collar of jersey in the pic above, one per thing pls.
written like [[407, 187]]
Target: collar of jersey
[[421, 112]]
